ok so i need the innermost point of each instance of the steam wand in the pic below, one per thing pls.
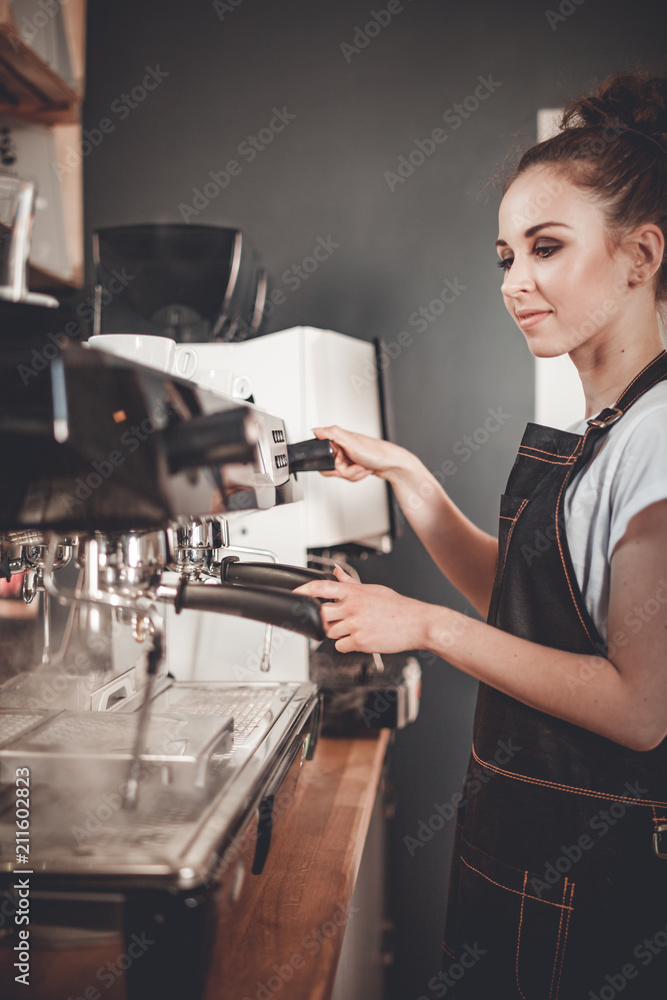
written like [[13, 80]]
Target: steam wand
[[131, 787], [155, 654], [265, 663]]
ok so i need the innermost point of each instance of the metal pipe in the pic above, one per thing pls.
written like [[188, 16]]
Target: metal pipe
[[265, 662], [155, 656]]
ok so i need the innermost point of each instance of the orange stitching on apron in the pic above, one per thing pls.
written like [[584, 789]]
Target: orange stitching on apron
[[567, 577], [518, 935], [566, 788], [543, 451], [514, 520], [449, 951], [509, 534], [536, 458], [645, 369], [638, 376], [565, 481], [560, 928], [516, 892], [570, 910], [635, 398]]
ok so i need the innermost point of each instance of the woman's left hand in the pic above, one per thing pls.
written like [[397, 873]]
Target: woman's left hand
[[367, 618]]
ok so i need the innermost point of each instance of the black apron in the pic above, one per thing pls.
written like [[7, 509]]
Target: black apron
[[557, 889]]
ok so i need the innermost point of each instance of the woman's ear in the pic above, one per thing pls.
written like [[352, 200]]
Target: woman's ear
[[646, 247]]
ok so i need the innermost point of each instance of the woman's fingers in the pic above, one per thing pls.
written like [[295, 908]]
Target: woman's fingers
[[328, 590], [354, 454], [331, 612], [367, 617], [337, 630], [346, 645]]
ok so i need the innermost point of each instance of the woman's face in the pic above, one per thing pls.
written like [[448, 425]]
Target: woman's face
[[563, 284]]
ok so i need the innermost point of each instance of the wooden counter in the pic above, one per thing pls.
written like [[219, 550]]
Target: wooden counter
[[285, 935]]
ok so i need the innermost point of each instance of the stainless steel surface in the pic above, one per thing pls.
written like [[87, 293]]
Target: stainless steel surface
[[130, 564], [14, 723], [174, 836], [74, 747], [196, 546]]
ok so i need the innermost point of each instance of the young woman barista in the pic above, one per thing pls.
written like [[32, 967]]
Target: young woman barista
[[559, 879]]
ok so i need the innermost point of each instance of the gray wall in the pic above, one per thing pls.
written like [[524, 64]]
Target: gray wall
[[229, 65]]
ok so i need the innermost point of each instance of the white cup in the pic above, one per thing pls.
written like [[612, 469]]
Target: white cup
[[201, 366], [218, 369], [156, 352]]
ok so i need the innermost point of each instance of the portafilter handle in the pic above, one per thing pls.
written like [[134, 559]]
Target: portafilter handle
[[264, 574], [262, 604]]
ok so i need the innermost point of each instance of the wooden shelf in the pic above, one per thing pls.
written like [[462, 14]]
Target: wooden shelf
[[29, 89], [32, 92], [40, 279]]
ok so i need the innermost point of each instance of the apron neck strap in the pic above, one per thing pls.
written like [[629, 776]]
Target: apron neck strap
[[654, 372]]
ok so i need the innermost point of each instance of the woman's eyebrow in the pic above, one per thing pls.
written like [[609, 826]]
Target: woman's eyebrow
[[535, 229]]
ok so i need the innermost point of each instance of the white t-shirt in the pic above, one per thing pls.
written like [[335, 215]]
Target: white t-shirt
[[627, 473]]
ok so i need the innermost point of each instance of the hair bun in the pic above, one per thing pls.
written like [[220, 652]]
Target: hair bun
[[638, 100]]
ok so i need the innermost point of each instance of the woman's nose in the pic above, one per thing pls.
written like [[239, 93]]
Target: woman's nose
[[518, 278]]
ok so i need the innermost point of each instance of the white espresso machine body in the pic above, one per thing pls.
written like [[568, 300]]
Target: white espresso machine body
[[312, 378]]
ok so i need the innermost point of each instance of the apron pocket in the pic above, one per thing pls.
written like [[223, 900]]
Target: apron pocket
[[517, 924], [511, 509]]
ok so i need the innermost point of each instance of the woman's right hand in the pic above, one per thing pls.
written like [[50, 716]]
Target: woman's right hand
[[358, 456]]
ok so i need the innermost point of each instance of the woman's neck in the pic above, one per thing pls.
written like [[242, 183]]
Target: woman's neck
[[608, 364]]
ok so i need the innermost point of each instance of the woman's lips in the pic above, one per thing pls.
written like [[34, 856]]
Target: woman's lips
[[527, 320]]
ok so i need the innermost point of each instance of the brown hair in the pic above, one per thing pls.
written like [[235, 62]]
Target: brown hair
[[614, 143]]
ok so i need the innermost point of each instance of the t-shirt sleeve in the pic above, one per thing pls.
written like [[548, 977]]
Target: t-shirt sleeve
[[640, 474]]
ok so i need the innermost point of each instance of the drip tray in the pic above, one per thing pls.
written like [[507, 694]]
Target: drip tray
[[14, 723], [91, 748]]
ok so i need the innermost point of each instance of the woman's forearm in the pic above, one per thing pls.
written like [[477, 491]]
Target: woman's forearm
[[586, 690], [623, 698], [622, 701], [465, 554]]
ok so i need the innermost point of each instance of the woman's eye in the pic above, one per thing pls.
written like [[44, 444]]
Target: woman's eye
[[545, 251], [505, 263]]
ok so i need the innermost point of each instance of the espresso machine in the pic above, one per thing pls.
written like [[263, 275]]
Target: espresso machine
[[202, 289], [134, 806], [160, 685], [314, 378]]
